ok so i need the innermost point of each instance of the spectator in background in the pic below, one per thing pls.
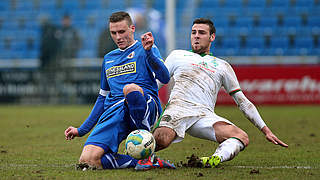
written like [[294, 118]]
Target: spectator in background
[[49, 49], [147, 19], [49, 44], [69, 39], [106, 43]]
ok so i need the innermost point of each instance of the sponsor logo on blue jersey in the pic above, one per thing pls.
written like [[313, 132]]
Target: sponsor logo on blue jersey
[[131, 55], [121, 70]]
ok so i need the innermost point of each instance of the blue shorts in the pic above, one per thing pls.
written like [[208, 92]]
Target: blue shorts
[[116, 123]]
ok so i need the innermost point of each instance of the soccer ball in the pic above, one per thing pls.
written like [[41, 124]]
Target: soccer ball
[[140, 144]]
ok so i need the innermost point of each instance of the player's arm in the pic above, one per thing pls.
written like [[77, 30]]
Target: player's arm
[[89, 123], [154, 58], [248, 109], [96, 111], [98, 108], [251, 112], [231, 84]]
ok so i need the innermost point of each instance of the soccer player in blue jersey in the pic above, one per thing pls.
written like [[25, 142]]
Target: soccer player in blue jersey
[[128, 99]]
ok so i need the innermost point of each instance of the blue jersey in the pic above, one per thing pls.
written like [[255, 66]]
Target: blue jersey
[[122, 67], [110, 114]]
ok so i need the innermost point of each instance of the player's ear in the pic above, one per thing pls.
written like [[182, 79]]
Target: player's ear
[[133, 28], [212, 37]]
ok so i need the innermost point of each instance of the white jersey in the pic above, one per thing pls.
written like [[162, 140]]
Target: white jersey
[[203, 77], [193, 96]]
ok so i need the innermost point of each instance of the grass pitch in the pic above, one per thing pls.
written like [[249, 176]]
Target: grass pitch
[[32, 146]]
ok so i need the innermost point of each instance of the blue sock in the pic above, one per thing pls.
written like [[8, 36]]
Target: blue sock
[[117, 161], [137, 105]]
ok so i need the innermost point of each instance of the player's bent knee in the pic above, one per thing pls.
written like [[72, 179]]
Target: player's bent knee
[[225, 131], [131, 87], [90, 159], [163, 136], [245, 139], [241, 135], [92, 156]]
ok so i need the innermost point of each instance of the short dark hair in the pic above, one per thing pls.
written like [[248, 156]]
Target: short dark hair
[[206, 21], [120, 16]]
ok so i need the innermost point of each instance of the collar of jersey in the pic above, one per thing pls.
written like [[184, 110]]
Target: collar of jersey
[[128, 46], [202, 54]]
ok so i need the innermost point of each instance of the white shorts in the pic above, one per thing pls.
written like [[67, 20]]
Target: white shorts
[[197, 122]]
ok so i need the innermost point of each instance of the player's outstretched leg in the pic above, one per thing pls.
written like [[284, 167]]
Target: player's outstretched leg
[[153, 162], [212, 161], [110, 161], [226, 151], [117, 161]]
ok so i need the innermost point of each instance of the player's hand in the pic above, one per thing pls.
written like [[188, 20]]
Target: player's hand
[[71, 132], [272, 138], [147, 40]]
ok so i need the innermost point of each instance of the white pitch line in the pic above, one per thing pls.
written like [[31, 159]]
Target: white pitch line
[[244, 167], [277, 167], [36, 165]]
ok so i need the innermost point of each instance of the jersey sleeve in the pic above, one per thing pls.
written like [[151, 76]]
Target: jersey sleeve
[[104, 86], [94, 116], [157, 65], [229, 79], [98, 107], [170, 62], [248, 109]]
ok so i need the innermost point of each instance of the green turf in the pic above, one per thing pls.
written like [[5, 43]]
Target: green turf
[[32, 146]]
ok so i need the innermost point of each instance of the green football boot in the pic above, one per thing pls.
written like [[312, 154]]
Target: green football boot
[[209, 162]]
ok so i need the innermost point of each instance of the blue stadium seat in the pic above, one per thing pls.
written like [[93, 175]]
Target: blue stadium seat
[[244, 21], [93, 5], [314, 21], [306, 42], [279, 42], [231, 43], [255, 42], [233, 3], [117, 5], [256, 3], [280, 3], [220, 22], [218, 52], [47, 5], [292, 21], [4, 5], [25, 6], [315, 51], [71, 4], [206, 3], [268, 22], [160, 6], [304, 3]]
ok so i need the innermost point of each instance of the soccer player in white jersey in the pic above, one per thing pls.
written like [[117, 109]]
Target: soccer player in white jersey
[[198, 77]]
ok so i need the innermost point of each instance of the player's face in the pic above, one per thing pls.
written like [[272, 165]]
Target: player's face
[[201, 39], [122, 33]]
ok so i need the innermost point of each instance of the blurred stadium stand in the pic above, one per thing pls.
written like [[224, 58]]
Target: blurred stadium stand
[[244, 27], [248, 32]]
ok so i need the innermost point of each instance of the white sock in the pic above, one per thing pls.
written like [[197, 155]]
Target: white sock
[[228, 149]]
